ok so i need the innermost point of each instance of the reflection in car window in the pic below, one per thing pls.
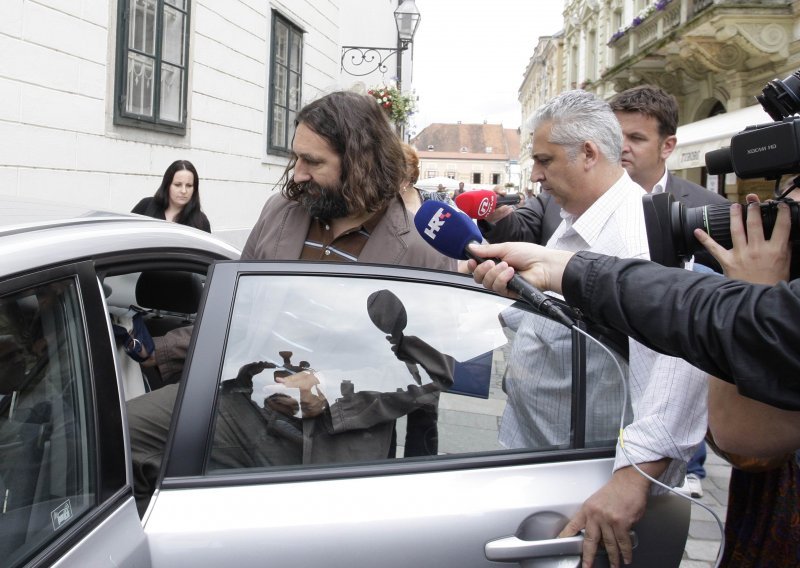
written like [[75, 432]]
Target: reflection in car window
[[342, 370], [46, 481], [540, 399]]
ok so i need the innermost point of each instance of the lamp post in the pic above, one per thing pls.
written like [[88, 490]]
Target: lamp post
[[359, 61]]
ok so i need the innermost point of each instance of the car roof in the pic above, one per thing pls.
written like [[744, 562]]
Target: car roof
[[16, 213], [36, 234]]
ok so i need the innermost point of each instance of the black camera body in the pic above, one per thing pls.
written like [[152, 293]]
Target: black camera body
[[765, 150], [761, 151]]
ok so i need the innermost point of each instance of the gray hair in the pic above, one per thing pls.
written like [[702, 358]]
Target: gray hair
[[579, 116]]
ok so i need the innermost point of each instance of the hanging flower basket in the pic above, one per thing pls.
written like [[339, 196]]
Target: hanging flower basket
[[398, 106]]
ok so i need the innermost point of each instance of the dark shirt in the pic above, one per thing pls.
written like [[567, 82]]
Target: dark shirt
[[150, 208], [320, 244]]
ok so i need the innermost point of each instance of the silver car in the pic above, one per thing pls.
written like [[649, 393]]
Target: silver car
[[327, 414]]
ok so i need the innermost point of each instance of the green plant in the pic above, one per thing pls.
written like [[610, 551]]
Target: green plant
[[397, 105]]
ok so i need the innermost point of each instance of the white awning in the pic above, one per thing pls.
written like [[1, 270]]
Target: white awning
[[697, 138]]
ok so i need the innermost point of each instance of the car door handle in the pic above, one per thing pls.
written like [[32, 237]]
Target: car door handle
[[514, 549]]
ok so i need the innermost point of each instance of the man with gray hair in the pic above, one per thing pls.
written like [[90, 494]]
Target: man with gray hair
[[577, 145]]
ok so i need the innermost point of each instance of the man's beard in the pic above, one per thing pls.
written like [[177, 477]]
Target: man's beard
[[322, 202]]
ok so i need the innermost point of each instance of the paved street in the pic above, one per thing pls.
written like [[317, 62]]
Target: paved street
[[704, 535]]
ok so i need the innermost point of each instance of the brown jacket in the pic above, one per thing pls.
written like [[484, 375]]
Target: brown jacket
[[283, 225]]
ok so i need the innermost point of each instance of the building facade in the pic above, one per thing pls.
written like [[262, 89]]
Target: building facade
[[714, 56], [101, 96], [480, 155], [542, 80]]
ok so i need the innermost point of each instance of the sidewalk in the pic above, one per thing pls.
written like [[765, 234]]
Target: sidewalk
[[704, 533]]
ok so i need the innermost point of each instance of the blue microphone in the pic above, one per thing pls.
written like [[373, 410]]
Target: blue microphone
[[450, 232]]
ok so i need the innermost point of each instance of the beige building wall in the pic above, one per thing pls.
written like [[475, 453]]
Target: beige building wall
[[714, 56], [542, 81]]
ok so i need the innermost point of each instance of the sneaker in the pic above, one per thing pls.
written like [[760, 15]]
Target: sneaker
[[692, 486]]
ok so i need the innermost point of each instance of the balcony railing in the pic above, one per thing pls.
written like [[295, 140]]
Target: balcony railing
[[661, 22], [662, 18]]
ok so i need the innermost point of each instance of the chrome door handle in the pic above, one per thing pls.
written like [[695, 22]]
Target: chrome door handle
[[513, 549]]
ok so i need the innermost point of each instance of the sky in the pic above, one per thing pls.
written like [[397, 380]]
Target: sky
[[470, 57]]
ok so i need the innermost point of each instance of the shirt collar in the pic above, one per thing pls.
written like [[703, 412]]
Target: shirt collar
[[661, 186], [591, 223]]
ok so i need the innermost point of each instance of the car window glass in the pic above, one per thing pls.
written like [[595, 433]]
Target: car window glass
[[540, 389], [46, 474], [342, 370]]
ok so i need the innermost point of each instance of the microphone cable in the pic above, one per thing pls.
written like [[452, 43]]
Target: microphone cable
[[621, 438]]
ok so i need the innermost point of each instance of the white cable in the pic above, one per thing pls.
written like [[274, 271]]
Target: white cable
[[636, 467]]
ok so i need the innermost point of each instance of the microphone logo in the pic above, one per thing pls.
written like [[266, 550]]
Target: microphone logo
[[484, 207], [436, 222]]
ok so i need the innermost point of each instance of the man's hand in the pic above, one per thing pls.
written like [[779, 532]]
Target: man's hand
[[310, 404], [608, 515], [753, 258], [544, 268], [500, 213]]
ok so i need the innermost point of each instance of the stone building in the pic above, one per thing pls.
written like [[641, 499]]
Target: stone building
[[714, 56], [477, 154], [542, 80]]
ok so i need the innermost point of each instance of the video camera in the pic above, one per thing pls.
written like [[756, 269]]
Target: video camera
[[768, 151]]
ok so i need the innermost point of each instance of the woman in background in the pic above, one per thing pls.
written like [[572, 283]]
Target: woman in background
[[177, 199], [410, 194]]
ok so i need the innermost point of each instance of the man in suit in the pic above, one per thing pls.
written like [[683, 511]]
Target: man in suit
[[649, 119]]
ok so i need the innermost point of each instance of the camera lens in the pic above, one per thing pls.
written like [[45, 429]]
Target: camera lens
[[715, 220]]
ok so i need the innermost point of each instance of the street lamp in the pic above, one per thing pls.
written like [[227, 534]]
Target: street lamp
[[360, 60]]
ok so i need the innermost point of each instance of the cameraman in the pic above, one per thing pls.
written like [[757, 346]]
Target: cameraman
[[742, 333]]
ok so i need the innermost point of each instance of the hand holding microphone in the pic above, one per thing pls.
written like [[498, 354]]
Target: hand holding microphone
[[481, 203], [451, 232]]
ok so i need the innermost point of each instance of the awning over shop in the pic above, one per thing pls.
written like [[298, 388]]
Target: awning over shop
[[697, 138]]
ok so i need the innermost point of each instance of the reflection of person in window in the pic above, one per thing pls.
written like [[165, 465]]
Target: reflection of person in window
[[356, 425]]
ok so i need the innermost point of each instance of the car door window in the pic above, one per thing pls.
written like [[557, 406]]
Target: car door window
[[342, 370], [47, 479]]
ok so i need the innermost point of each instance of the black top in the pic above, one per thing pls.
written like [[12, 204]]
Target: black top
[[743, 333], [534, 222], [149, 207]]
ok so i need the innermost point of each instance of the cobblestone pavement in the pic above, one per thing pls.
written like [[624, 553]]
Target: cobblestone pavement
[[704, 533]]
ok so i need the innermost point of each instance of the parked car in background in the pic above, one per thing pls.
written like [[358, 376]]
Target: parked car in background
[[378, 340]]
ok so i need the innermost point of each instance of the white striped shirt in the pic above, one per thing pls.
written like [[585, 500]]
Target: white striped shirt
[[668, 396]]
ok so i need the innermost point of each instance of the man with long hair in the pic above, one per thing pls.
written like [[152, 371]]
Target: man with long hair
[[340, 201], [340, 195]]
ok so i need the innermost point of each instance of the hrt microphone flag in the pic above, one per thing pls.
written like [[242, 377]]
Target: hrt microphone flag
[[481, 203], [450, 232], [447, 230]]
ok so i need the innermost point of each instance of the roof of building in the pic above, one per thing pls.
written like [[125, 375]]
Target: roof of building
[[468, 142]]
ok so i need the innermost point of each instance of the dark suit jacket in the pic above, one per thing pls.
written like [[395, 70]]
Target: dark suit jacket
[[691, 194], [533, 222]]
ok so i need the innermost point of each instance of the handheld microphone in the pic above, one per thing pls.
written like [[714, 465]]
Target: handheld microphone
[[481, 203], [451, 232]]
